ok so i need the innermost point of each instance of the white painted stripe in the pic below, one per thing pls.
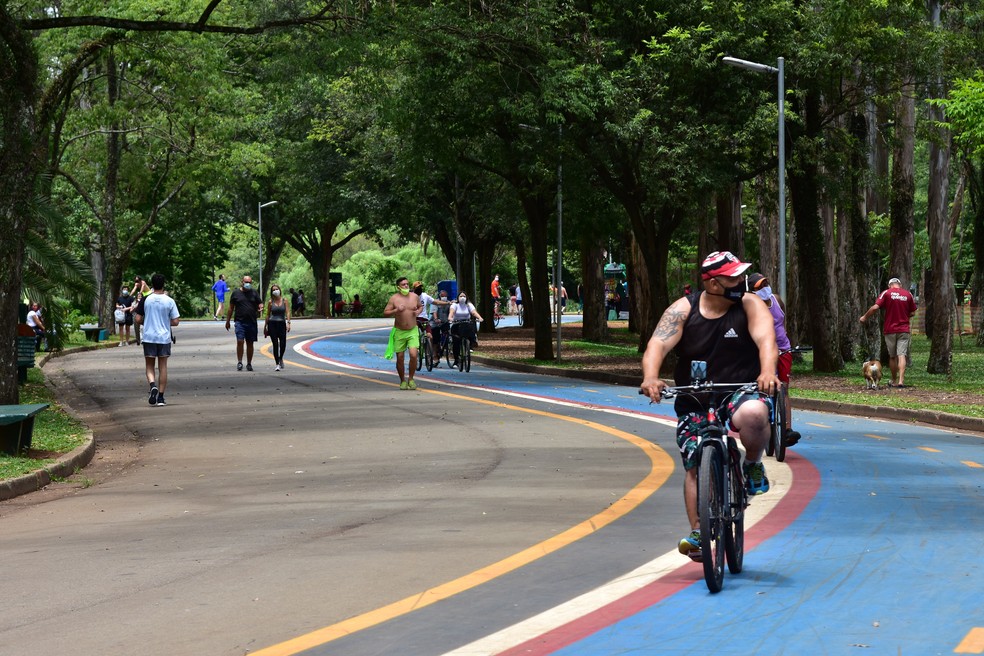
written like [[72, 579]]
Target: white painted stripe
[[780, 478]]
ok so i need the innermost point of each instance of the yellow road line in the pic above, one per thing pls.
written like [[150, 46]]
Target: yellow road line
[[971, 463], [660, 470], [818, 425], [930, 449], [877, 437], [973, 642]]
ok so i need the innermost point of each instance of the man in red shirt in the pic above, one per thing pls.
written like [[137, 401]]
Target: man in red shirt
[[899, 307]]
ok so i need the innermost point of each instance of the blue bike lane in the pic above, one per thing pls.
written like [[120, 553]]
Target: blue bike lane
[[879, 548]]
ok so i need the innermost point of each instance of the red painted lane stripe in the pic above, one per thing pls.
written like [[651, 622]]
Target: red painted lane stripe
[[806, 483]]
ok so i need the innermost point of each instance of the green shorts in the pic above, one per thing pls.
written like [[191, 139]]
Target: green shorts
[[404, 339]]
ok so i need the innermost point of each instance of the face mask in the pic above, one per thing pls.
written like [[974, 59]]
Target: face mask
[[404, 291], [765, 293], [126, 292], [276, 292], [462, 300], [247, 285], [735, 293]]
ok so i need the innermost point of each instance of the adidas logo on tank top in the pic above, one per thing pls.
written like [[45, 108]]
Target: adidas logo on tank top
[[731, 333]]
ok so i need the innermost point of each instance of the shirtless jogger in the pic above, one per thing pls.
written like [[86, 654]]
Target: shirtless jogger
[[404, 306]]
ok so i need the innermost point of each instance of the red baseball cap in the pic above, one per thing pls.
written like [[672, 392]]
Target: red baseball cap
[[722, 263]]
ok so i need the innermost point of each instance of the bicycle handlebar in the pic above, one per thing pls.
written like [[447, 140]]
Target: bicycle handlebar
[[670, 392]]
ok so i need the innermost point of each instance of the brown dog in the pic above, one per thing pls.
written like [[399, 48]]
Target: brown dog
[[872, 371]]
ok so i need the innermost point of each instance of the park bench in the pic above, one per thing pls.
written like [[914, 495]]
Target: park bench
[[92, 333], [17, 426], [25, 356]]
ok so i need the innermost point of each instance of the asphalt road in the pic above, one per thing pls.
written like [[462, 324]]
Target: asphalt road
[[321, 510]]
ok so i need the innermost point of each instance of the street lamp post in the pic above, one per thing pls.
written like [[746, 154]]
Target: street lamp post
[[560, 233], [259, 219], [780, 73]]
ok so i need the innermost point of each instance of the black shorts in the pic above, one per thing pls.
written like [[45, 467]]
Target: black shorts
[[157, 350]]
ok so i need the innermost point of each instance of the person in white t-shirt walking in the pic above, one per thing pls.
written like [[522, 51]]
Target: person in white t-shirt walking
[[160, 314]]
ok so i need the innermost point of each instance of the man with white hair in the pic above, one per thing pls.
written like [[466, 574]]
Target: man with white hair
[[899, 307]]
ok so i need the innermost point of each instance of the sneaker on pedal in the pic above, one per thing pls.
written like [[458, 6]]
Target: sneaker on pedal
[[791, 437], [755, 480], [690, 545]]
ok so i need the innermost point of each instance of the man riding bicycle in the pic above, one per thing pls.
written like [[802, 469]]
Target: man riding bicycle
[[733, 333]]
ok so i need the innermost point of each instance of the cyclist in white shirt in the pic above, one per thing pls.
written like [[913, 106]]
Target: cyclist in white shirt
[[461, 327]]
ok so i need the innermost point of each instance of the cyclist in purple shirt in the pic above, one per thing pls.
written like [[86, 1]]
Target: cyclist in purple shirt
[[759, 284]]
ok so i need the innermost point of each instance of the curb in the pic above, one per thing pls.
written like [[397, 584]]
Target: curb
[[943, 419], [64, 467]]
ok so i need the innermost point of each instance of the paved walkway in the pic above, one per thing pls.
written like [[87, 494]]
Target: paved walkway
[[323, 511]]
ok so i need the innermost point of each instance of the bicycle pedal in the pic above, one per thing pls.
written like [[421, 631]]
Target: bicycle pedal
[[696, 556]]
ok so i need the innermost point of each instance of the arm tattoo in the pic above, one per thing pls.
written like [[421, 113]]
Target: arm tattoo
[[669, 324]]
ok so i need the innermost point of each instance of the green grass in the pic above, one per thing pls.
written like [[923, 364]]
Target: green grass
[[54, 429], [968, 372]]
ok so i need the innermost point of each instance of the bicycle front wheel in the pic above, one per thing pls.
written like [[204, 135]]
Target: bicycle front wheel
[[779, 423], [466, 356], [711, 508], [428, 354]]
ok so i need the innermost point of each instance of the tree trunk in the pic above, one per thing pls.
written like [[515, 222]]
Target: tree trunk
[[537, 211], [766, 199], [484, 302], [22, 153], [902, 227], [592, 299], [812, 248], [976, 187], [731, 233], [940, 293]]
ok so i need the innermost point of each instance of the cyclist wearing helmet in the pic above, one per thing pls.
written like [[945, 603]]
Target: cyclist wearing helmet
[[733, 333]]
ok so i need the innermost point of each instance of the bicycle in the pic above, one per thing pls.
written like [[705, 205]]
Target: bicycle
[[464, 350], [780, 420], [721, 494], [443, 344], [497, 313], [425, 356]]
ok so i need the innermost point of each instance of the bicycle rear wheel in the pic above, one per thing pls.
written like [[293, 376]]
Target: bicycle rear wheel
[[734, 530], [711, 508], [428, 354], [779, 423]]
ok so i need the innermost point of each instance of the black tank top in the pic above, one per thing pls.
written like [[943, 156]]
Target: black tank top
[[725, 344]]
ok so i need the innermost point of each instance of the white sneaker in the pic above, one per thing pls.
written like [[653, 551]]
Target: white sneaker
[[277, 368]]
